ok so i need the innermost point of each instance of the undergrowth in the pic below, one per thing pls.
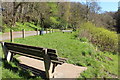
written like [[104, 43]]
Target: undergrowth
[[104, 39]]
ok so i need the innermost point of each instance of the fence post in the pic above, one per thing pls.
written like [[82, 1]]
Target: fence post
[[23, 33], [11, 35], [37, 31], [46, 30], [50, 30]]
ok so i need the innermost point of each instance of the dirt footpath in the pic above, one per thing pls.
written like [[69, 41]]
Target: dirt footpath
[[18, 34], [62, 71]]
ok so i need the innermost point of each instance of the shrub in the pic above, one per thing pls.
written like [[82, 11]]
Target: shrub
[[104, 39]]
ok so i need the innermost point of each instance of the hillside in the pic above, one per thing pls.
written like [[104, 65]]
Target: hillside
[[81, 53], [93, 44]]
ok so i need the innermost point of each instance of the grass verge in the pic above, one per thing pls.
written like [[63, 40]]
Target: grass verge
[[99, 64]]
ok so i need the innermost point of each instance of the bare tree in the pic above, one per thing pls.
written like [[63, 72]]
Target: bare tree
[[91, 7]]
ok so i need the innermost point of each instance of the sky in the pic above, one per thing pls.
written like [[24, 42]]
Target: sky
[[109, 6], [106, 5]]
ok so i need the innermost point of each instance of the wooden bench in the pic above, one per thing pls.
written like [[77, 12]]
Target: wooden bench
[[49, 56]]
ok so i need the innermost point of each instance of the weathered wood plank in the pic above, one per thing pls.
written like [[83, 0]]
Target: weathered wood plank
[[32, 47], [35, 57], [31, 50], [26, 50], [52, 50]]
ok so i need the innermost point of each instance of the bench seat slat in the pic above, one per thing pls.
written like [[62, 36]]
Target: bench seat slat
[[61, 60]]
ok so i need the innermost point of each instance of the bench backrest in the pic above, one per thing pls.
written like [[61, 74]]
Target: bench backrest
[[31, 50]]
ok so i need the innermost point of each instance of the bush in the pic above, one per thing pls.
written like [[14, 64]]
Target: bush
[[104, 39]]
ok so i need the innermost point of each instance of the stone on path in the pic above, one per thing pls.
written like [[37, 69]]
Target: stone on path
[[61, 71]]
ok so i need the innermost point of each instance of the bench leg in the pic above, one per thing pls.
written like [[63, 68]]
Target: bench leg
[[9, 56], [48, 68], [54, 65], [5, 50], [53, 68]]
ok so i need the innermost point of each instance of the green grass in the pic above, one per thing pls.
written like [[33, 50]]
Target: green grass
[[81, 53], [19, 26], [12, 70], [5, 74], [0, 62]]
